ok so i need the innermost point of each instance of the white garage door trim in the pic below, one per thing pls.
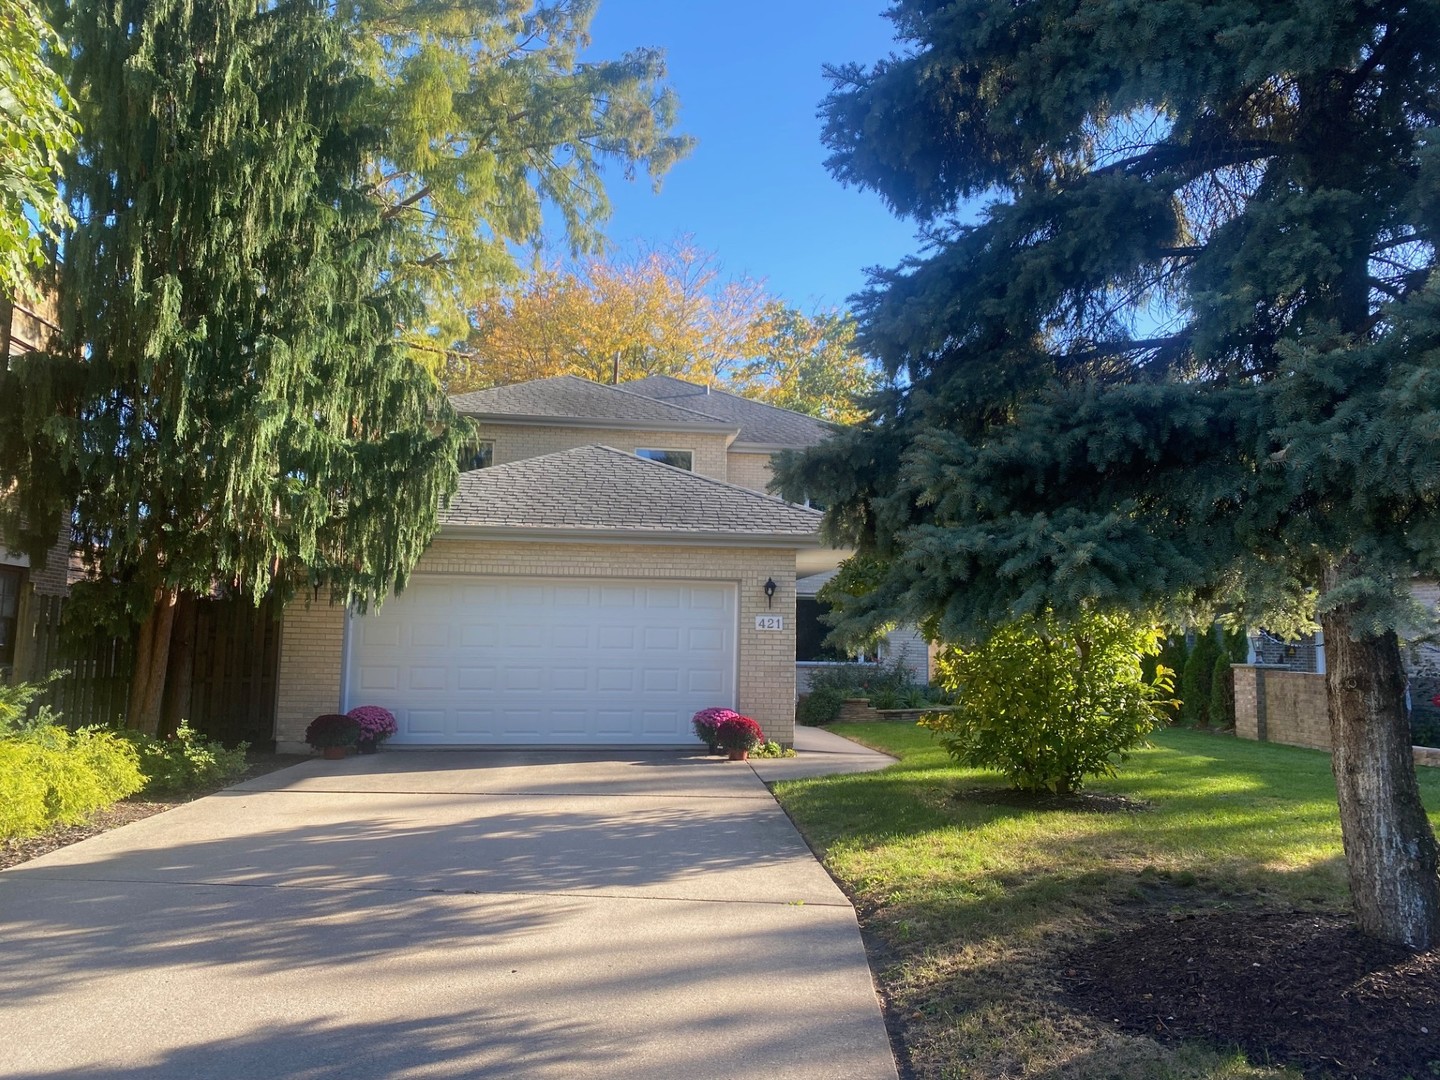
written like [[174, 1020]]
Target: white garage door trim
[[486, 660]]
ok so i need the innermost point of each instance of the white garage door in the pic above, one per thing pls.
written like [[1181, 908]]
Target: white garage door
[[535, 661]]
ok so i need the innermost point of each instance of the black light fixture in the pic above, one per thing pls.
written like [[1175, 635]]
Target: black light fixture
[[769, 591]]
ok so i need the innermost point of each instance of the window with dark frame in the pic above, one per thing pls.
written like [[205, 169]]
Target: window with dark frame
[[11, 578], [810, 633], [679, 459], [484, 456]]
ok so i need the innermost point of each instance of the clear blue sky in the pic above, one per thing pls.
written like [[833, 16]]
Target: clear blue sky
[[755, 190]]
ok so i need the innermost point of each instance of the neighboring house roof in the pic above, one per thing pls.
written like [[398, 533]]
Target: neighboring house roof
[[580, 401], [761, 426], [599, 490]]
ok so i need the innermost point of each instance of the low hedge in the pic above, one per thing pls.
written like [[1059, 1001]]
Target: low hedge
[[50, 776]]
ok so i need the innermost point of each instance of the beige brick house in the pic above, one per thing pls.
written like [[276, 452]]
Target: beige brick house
[[610, 565]]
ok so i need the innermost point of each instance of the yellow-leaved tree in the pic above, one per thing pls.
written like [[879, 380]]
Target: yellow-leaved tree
[[663, 311]]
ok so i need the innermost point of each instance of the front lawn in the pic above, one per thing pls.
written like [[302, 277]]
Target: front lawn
[[976, 910]]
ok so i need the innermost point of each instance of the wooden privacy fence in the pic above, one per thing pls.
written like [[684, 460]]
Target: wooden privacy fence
[[235, 649]]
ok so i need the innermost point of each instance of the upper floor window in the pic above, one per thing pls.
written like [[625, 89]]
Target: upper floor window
[[680, 459], [484, 456]]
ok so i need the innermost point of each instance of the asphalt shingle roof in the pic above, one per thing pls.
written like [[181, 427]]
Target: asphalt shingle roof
[[598, 489], [760, 424], [567, 397]]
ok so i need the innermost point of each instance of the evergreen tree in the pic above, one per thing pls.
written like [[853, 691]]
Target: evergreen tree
[[1195, 679], [1187, 355], [1222, 694], [229, 404]]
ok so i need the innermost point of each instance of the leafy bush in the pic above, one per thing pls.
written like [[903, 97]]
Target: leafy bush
[[771, 750], [820, 706], [1049, 704], [15, 702], [830, 686], [184, 761], [49, 775]]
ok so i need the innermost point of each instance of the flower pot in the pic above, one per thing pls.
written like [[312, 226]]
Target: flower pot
[[333, 753], [367, 746], [739, 755]]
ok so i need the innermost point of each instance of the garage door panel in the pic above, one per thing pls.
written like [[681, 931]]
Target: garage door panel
[[536, 661], [430, 635], [562, 679], [476, 678], [429, 678], [662, 637], [571, 637], [425, 721], [616, 637], [380, 677]]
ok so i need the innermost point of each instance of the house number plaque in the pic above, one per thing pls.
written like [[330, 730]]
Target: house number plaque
[[769, 622]]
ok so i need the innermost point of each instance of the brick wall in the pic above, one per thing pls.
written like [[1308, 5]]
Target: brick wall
[[516, 442], [751, 471], [313, 637], [1275, 705]]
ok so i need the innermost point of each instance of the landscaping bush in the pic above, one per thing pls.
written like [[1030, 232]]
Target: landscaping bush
[[1222, 693], [49, 775], [831, 686], [184, 761], [1196, 678], [1049, 704]]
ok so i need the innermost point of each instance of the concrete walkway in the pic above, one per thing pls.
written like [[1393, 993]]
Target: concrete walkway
[[448, 914]]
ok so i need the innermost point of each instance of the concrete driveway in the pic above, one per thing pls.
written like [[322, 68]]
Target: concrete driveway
[[446, 914]]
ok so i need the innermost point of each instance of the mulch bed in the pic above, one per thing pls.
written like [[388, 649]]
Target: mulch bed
[[23, 849], [1294, 988], [1084, 802]]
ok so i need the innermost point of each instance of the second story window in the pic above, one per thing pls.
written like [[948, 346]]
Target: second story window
[[484, 456], [680, 459]]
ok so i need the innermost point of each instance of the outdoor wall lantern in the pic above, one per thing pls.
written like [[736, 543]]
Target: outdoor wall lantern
[[769, 591]]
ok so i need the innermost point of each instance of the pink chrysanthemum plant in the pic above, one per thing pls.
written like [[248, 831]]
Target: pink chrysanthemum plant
[[376, 724], [738, 734], [706, 721]]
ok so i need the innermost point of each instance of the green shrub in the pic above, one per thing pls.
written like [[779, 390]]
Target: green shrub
[[831, 686], [49, 775], [1049, 704], [22, 790], [184, 761], [771, 749], [15, 702], [1196, 678], [1222, 693], [820, 706]]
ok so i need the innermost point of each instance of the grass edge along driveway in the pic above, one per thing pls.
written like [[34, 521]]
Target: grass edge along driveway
[[968, 908]]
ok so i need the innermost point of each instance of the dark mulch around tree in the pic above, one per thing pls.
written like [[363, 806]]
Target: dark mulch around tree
[[14, 851], [1084, 802], [1293, 988]]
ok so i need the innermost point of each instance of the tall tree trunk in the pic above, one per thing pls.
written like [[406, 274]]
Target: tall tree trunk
[[152, 658], [1390, 848], [180, 673]]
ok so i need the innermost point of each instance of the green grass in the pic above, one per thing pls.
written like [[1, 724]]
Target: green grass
[[967, 906]]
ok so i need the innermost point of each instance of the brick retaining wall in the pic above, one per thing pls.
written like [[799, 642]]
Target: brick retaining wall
[[1281, 706]]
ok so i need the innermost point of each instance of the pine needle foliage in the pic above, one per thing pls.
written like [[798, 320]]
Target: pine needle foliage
[[1187, 355], [227, 403]]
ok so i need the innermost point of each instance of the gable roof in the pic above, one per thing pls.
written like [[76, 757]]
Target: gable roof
[[761, 426], [597, 490], [580, 401]]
